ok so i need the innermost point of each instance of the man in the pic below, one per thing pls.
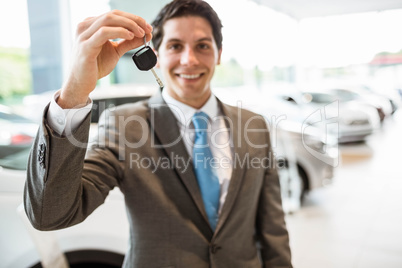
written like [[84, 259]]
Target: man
[[213, 203]]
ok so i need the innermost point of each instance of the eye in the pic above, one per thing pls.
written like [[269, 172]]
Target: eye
[[174, 46], [204, 46]]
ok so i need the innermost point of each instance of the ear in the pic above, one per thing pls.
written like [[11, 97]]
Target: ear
[[157, 57], [219, 57]]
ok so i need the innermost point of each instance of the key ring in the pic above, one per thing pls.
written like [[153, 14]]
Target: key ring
[[145, 40]]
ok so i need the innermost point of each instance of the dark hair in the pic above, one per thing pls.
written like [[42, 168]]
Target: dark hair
[[182, 8]]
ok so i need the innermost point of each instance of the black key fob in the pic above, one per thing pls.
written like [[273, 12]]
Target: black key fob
[[145, 58]]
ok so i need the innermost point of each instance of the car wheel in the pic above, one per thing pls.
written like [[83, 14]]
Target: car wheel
[[92, 259]]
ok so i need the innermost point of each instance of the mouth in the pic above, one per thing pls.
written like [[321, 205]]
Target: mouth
[[190, 76]]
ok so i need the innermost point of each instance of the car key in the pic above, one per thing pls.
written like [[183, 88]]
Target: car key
[[145, 60]]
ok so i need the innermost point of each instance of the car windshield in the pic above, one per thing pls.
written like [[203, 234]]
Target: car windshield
[[320, 97], [345, 95]]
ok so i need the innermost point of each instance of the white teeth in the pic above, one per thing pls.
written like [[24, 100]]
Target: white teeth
[[189, 76]]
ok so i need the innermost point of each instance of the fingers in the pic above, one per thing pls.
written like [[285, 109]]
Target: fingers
[[119, 19], [140, 21], [127, 45], [83, 25], [105, 33]]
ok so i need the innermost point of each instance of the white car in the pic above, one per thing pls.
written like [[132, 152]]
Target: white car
[[100, 241], [308, 154], [312, 153], [382, 104], [350, 121]]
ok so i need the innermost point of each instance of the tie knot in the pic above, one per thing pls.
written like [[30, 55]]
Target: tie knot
[[200, 121]]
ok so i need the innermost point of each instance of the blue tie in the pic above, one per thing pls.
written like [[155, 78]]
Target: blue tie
[[207, 179]]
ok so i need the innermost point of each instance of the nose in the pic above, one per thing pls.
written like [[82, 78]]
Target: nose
[[188, 57]]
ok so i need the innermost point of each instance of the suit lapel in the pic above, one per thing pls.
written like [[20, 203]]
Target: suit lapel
[[239, 149], [164, 125]]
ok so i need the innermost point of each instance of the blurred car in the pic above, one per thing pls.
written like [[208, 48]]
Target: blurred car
[[307, 156], [99, 241], [309, 161], [16, 132], [390, 94], [315, 155], [350, 121], [311, 155], [382, 104]]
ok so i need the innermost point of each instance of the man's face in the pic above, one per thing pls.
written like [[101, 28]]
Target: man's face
[[187, 57]]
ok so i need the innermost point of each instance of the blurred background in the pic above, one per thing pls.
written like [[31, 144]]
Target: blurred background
[[326, 75]]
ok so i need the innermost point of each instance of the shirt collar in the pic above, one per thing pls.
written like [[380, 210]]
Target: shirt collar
[[184, 112]]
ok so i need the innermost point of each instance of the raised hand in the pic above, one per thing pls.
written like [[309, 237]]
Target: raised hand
[[95, 55]]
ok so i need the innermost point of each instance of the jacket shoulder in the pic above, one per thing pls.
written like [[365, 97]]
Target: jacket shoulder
[[134, 108], [244, 115]]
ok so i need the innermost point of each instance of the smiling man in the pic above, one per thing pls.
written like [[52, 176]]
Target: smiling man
[[188, 55], [210, 199]]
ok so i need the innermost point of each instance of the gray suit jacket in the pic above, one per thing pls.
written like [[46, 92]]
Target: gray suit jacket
[[168, 222]]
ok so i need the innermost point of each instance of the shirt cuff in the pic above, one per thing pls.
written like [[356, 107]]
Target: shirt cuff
[[66, 121]]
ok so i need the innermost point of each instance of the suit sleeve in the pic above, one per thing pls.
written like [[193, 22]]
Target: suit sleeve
[[63, 187], [271, 227]]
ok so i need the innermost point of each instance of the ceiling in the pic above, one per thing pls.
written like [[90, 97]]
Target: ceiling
[[301, 9]]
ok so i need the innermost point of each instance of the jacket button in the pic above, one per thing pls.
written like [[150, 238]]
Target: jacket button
[[214, 248]]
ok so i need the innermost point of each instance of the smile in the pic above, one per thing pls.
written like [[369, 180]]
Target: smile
[[189, 76]]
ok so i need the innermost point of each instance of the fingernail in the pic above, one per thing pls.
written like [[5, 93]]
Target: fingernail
[[149, 27], [142, 31]]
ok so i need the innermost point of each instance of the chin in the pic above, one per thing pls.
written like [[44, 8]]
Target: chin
[[192, 92]]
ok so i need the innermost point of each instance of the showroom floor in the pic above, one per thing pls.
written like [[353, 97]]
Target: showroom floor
[[357, 221]]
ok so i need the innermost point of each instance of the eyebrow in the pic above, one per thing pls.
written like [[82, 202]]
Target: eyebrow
[[199, 40]]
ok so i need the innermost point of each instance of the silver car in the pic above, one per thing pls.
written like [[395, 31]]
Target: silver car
[[307, 156], [382, 104], [311, 154], [350, 121]]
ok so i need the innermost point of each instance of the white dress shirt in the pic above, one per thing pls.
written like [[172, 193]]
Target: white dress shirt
[[65, 121], [218, 137]]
